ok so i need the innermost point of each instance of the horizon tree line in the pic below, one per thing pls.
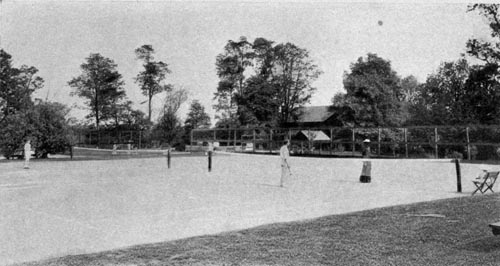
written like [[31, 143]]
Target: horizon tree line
[[266, 83]]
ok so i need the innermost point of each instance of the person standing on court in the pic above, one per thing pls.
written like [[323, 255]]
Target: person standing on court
[[285, 157], [27, 153], [366, 148]]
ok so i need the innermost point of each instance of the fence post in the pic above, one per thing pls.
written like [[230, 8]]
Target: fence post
[[309, 141], [168, 158], [331, 141], [436, 142], [140, 138], [468, 143], [353, 142], [270, 141], [254, 143], [234, 143], [459, 178], [209, 161], [406, 141], [379, 132]]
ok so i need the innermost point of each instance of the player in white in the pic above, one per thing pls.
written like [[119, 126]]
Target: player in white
[[285, 157], [27, 153]]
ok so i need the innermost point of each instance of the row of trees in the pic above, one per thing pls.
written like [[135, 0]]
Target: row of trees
[[102, 87], [266, 83], [456, 94], [22, 117], [262, 82]]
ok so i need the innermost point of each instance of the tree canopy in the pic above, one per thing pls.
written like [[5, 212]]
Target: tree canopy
[[169, 127], [261, 82], [151, 79], [101, 85], [197, 117], [373, 92], [486, 50], [16, 86]]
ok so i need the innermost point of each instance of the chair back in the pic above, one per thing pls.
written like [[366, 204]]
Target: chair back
[[493, 176]]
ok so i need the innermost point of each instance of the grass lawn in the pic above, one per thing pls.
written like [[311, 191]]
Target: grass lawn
[[444, 232]]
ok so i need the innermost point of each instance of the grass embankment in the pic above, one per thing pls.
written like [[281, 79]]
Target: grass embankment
[[401, 235]]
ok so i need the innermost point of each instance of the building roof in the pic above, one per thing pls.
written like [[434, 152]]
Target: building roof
[[315, 135], [314, 114]]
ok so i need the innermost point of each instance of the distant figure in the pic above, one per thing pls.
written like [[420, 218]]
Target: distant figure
[[27, 153], [114, 149], [366, 148], [285, 167], [211, 148], [129, 147]]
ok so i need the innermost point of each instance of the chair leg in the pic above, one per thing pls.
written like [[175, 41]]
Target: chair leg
[[479, 187]]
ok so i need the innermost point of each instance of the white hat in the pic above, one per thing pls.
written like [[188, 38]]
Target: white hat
[[366, 140]]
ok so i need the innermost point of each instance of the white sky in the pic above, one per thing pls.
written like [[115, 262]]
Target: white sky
[[57, 36]]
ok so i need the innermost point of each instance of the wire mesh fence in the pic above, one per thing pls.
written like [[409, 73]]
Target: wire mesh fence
[[468, 142], [123, 139]]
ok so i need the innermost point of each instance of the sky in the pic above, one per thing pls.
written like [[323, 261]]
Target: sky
[[57, 36]]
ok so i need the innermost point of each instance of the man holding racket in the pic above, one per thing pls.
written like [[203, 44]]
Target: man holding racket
[[285, 167]]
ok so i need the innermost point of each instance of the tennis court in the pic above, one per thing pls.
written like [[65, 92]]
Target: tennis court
[[69, 207]]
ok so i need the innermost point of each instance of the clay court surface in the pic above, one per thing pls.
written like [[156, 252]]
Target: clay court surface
[[70, 207]]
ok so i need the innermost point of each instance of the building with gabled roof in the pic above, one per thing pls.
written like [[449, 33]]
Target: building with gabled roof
[[310, 135], [316, 116]]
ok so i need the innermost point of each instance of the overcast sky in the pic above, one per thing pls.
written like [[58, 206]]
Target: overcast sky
[[57, 36]]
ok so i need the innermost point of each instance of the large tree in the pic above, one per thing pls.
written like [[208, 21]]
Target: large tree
[[373, 92], [197, 117], [442, 98], [169, 128], [292, 75], [230, 66], [101, 85], [487, 50], [260, 104], [482, 95], [16, 86], [483, 85], [263, 82], [51, 128], [152, 78]]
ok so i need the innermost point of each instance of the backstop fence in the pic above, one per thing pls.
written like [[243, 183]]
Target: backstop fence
[[468, 142], [105, 139]]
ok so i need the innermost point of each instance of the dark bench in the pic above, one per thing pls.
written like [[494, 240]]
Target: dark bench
[[495, 227]]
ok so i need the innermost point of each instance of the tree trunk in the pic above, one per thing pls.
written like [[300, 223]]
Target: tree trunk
[[149, 106]]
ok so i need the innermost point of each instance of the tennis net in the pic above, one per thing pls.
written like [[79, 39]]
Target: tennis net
[[109, 154]]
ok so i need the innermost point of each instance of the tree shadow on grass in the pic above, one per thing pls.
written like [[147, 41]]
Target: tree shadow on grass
[[483, 245]]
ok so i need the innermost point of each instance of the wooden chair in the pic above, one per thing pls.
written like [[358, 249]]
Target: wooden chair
[[485, 182]]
